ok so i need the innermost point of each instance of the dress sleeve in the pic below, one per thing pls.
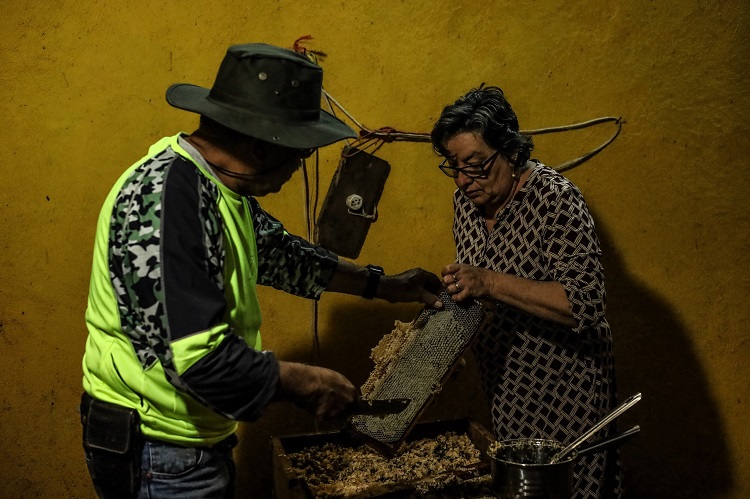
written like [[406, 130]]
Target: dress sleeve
[[574, 255], [288, 262]]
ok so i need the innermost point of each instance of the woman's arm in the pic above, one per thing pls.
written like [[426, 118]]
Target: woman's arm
[[573, 292], [545, 299]]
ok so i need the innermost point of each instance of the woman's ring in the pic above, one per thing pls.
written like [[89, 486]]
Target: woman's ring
[[458, 288]]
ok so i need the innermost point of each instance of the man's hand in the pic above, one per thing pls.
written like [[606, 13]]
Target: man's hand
[[322, 392], [414, 285]]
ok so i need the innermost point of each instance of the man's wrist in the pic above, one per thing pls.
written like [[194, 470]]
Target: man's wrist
[[373, 281]]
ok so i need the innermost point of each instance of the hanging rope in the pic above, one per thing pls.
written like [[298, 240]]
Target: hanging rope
[[388, 134], [372, 140], [563, 167]]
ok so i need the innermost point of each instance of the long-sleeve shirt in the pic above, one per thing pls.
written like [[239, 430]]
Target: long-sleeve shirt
[[173, 316]]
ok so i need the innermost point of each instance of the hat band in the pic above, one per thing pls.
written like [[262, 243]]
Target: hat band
[[270, 113]]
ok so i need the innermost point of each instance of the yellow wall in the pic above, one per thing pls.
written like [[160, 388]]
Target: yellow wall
[[82, 96]]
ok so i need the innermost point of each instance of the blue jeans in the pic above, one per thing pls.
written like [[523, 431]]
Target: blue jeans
[[123, 465], [170, 471]]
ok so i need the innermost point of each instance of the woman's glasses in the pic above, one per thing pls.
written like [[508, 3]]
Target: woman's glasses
[[479, 170]]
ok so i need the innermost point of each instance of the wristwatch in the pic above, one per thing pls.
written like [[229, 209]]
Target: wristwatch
[[372, 281]]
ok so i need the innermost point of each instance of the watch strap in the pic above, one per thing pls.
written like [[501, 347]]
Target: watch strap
[[371, 289]]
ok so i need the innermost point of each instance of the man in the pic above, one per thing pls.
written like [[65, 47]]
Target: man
[[173, 356]]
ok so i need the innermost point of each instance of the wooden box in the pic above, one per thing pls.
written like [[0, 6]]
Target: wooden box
[[288, 486]]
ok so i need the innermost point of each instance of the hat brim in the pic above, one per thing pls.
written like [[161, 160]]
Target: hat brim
[[310, 134]]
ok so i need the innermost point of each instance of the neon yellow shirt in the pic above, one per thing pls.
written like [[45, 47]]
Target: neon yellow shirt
[[173, 316]]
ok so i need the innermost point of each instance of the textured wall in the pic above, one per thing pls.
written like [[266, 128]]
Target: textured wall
[[82, 97]]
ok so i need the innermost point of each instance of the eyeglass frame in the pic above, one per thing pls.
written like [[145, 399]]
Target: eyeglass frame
[[481, 172]]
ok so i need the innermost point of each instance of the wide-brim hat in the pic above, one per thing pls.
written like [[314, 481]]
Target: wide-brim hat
[[266, 92]]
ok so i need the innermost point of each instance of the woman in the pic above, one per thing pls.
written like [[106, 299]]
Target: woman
[[525, 240]]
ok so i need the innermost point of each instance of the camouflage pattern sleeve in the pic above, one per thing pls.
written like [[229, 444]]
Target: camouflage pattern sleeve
[[166, 265], [288, 262]]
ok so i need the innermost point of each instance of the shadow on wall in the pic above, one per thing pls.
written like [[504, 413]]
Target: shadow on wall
[[363, 324], [682, 449]]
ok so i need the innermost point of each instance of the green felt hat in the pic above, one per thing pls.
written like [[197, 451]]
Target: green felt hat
[[266, 92]]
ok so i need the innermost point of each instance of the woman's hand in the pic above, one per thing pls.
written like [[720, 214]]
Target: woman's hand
[[463, 281], [545, 299]]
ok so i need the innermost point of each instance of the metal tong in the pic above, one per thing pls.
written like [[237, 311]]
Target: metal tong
[[630, 402]]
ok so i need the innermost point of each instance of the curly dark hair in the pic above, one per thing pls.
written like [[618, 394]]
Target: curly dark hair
[[485, 111]]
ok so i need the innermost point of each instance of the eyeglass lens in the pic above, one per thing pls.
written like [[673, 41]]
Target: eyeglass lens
[[471, 171]]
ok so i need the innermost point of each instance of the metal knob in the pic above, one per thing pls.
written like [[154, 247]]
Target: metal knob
[[355, 202]]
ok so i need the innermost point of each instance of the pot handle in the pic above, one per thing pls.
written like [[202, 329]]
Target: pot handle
[[608, 442]]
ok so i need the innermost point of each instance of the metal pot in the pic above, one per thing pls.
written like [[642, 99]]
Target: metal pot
[[521, 468]]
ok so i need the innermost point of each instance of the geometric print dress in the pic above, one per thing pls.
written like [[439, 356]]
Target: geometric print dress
[[542, 379]]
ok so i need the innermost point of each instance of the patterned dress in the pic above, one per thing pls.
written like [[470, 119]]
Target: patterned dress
[[545, 380]]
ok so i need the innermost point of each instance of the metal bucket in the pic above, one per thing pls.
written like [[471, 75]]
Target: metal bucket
[[520, 470]]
